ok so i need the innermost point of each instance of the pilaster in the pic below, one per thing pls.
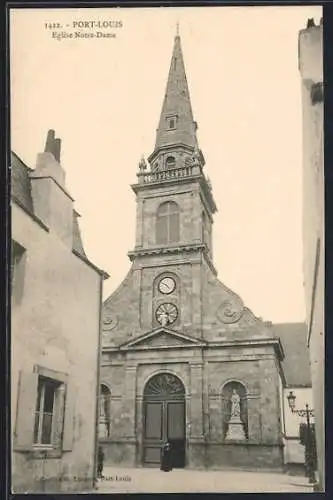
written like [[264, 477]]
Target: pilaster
[[129, 401], [196, 401], [254, 417]]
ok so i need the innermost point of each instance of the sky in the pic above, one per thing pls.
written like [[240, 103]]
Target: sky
[[103, 97]]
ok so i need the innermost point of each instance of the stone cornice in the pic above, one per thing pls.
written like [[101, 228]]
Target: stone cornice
[[211, 345], [196, 247], [143, 252]]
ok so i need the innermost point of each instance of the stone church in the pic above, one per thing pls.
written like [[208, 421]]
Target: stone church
[[183, 358]]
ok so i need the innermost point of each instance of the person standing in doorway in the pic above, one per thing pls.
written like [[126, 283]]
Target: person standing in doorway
[[100, 463], [166, 463]]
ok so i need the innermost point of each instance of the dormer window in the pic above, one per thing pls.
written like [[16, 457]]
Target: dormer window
[[171, 122]]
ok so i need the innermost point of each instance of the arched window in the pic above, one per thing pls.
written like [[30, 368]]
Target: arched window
[[104, 412], [234, 411], [164, 386], [167, 223], [170, 162]]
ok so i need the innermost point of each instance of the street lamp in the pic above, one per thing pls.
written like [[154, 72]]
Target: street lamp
[[309, 441]]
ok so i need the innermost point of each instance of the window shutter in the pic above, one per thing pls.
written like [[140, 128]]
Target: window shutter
[[69, 418], [58, 415], [26, 405]]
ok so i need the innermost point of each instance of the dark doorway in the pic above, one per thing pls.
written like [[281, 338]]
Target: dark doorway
[[164, 419]]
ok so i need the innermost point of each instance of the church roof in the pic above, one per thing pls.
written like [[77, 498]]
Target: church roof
[[296, 363], [177, 105], [21, 192]]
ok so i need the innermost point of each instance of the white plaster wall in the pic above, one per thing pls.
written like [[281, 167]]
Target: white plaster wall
[[311, 70], [294, 451], [56, 325]]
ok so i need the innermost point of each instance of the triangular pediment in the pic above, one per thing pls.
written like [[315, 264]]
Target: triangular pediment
[[162, 338]]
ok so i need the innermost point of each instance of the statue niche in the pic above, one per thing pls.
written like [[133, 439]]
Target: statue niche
[[235, 425], [104, 413]]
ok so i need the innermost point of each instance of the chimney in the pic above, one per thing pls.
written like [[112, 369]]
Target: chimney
[[56, 149], [310, 23], [310, 52], [51, 201]]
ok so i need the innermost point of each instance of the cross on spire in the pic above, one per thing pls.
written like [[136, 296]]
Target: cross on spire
[[177, 28]]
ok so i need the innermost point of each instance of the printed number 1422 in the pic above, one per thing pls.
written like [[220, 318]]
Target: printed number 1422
[[52, 26]]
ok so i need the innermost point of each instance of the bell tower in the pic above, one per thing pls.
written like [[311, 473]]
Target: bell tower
[[173, 334], [175, 204]]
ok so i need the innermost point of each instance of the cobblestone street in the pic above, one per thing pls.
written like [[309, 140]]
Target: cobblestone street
[[147, 480]]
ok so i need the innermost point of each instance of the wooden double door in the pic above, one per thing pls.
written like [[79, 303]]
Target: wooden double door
[[164, 420]]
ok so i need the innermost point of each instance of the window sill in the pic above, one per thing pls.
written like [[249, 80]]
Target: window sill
[[40, 452]]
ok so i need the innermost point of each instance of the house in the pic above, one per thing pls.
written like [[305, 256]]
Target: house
[[56, 294], [297, 378], [310, 42]]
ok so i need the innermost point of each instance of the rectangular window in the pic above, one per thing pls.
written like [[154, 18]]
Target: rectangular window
[[45, 413], [171, 122], [45, 418]]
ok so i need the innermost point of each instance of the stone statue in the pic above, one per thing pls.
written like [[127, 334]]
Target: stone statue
[[102, 411], [235, 404], [235, 425], [164, 318], [142, 164], [196, 157]]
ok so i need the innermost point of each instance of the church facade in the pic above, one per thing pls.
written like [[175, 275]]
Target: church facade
[[183, 359]]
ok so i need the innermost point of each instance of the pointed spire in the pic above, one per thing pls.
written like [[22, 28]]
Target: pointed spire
[[176, 125]]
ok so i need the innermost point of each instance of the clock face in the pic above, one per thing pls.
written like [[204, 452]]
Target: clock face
[[167, 285], [166, 314]]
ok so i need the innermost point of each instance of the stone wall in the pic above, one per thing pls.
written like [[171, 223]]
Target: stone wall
[[202, 300], [203, 373]]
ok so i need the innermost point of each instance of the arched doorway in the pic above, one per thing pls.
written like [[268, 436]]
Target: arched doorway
[[164, 419]]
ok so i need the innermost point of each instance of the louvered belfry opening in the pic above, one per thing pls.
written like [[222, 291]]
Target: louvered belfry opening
[[164, 419]]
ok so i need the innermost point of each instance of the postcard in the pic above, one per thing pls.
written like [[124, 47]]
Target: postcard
[[167, 274]]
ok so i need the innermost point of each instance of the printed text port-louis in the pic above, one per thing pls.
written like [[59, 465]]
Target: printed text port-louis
[[106, 24]]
